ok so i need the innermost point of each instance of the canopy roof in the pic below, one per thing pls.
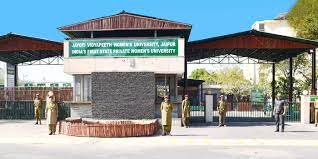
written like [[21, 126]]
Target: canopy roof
[[252, 43], [126, 24], [190, 82], [15, 49]]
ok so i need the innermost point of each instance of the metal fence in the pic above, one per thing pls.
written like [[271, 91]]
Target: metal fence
[[197, 114], [257, 112], [17, 102], [25, 110]]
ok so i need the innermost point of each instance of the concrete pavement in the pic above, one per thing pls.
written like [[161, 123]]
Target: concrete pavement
[[23, 139]]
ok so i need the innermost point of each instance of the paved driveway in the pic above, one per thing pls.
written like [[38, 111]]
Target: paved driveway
[[23, 139]]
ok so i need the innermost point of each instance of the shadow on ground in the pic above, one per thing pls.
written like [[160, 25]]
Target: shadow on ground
[[301, 131], [14, 121], [234, 124]]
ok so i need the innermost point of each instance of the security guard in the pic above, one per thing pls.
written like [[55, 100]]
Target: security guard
[[166, 116], [222, 111], [51, 112], [37, 109], [185, 111], [280, 111]]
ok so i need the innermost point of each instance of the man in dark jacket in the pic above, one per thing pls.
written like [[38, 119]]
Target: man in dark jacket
[[280, 111]]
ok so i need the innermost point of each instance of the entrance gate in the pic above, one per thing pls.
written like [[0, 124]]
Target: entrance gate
[[245, 112], [253, 47], [257, 112]]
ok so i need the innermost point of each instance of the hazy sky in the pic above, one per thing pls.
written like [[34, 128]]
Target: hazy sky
[[209, 18]]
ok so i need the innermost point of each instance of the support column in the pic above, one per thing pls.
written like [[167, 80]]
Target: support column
[[201, 97], [290, 80], [185, 78], [313, 73], [16, 76], [273, 85], [92, 34]]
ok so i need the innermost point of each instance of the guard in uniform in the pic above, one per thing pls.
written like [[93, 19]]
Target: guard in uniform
[[166, 116], [37, 109], [279, 111], [222, 111], [51, 112], [185, 111]]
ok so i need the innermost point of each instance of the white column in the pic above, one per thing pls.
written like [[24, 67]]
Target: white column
[[305, 109], [209, 108]]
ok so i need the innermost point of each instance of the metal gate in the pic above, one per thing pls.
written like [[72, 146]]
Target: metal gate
[[257, 112], [197, 114]]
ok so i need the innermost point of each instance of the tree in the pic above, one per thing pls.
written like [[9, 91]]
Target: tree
[[301, 75], [303, 17], [232, 79], [202, 74]]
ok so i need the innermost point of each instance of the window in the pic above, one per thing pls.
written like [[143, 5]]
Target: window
[[77, 88], [83, 88], [261, 27], [87, 88], [165, 85]]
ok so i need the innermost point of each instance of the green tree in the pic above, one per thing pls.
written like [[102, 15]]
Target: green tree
[[233, 81], [301, 75], [202, 74], [303, 17]]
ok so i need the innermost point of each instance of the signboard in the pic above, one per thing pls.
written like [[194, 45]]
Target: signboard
[[54, 85], [123, 47], [66, 84], [257, 96], [313, 98], [40, 85], [28, 85], [10, 75]]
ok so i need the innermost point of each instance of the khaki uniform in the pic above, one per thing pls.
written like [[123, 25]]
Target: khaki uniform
[[185, 112], [37, 109], [51, 112], [166, 116], [222, 112]]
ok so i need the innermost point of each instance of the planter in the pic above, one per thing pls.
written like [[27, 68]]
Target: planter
[[108, 128]]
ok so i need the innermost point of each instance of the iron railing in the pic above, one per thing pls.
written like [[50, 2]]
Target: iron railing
[[248, 112], [25, 110]]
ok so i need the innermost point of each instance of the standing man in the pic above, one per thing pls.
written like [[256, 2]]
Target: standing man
[[51, 112], [222, 111], [166, 116], [280, 111], [185, 111], [37, 109]]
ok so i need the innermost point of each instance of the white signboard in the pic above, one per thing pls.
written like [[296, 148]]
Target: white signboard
[[9, 80]]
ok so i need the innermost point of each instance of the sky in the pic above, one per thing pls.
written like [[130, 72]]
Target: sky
[[209, 18]]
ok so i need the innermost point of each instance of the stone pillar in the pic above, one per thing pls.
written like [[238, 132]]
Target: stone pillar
[[123, 95]]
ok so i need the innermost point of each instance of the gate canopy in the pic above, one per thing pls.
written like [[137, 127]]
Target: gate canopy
[[15, 49], [253, 44], [125, 24]]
